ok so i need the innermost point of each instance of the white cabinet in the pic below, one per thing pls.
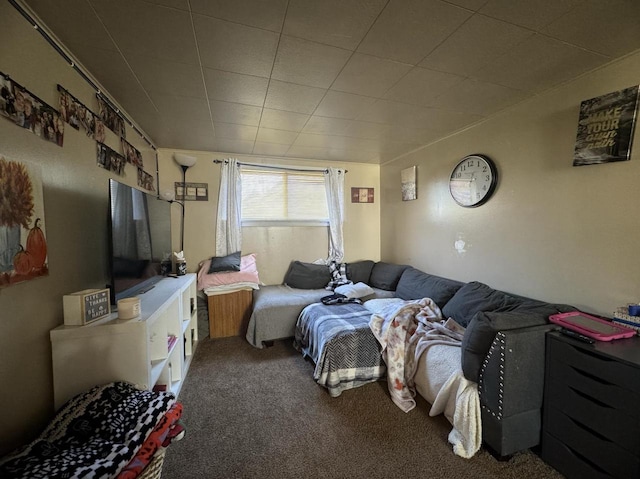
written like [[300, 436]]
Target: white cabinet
[[153, 350]]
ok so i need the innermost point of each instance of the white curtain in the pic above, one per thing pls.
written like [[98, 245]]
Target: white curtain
[[334, 184], [228, 222]]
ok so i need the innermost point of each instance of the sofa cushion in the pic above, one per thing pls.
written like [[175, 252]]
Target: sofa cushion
[[415, 284], [484, 326], [307, 275], [474, 297], [386, 275], [360, 271]]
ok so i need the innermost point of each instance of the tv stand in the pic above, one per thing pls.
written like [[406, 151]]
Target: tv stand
[[146, 290], [152, 351]]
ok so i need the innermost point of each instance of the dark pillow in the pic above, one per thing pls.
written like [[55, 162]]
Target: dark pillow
[[307, 275], [386, 275], [220, 264], [360, 271], [475, 297], [415, 284]]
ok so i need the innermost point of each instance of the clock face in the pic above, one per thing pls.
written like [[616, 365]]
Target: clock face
[[473, 181]]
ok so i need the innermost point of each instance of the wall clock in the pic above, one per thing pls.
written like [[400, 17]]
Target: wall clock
[[473, 180]]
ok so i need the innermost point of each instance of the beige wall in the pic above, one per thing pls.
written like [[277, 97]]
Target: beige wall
[[551, 231], [75, 193], [275, 247]]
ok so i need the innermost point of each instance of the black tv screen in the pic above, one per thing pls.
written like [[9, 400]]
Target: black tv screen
[[140, 239]]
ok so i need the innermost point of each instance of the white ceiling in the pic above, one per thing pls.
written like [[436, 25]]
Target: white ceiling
[[348, 80]]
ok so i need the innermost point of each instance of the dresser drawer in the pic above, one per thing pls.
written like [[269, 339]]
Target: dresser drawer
[[582, 380], [568, 462], [606, 369], [600, 451], [602, 419]]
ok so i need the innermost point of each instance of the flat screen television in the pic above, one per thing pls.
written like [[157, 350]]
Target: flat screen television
[[139, 239]]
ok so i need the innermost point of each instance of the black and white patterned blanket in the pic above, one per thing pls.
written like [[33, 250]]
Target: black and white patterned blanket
[[94, 435], [339, 341]]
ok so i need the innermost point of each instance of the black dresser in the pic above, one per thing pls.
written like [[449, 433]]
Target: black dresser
[[591, 414]]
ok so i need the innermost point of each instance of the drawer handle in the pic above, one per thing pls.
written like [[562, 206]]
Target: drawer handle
[[586, 460], [591, 376], [589, 398], [591, 353], [588, 429]]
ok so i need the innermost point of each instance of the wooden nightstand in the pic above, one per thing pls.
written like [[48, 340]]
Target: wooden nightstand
[[229, 313], [591, 415]]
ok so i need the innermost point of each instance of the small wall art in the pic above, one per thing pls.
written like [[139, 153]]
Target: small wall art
[[361, 195], [408, 182], [23, 244], [195, 191], [605, 128], [110, 117]]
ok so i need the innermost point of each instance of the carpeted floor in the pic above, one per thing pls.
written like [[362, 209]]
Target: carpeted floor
[[253, 413]]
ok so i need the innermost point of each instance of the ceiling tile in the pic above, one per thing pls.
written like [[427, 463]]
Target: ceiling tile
[[68, 29], [181, 107], [332, 22], [539, 63], [233, 146], [469, 4], [179, 4], [315, 141], [368, 75], [421, 86], [366, 130], [482, 98], [187, 134], [269, 135], [166, 76], [235, 87], [235, 48], [308, 63], [272, 149], [225, 112], [232, 131], [533, 14], [326, 126], [338, 104], [407, 31], [611, 28], [293, 97], [140, 28], [283, 120], [391, 112], [268, 15], [478, 41], [307, 152]]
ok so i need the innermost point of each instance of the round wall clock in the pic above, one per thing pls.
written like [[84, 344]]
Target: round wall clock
[[473, 180]]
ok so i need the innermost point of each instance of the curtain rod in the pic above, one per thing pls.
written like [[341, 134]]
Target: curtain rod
[[73, 65], [273, 167]]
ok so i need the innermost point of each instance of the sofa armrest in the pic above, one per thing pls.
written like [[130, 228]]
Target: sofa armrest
[[511, 384]]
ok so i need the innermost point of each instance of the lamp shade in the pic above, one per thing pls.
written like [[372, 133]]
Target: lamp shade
[[184, 160], [168, 195]]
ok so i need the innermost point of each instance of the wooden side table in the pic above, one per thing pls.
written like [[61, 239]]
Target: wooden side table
[[591, 426], [229, 313]]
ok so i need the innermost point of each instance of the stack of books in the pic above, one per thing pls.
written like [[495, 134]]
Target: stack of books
[[621, 316]]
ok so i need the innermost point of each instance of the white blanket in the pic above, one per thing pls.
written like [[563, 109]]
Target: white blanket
[[419, 346]]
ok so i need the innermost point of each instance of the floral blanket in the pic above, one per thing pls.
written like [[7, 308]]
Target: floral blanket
[[406, 331]]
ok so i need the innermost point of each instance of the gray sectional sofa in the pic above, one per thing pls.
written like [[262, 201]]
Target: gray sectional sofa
[[502, 350]]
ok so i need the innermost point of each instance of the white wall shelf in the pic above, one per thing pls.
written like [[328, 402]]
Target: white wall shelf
[[135, 350]]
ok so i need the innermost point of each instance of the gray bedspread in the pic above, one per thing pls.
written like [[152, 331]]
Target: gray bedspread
[[339, 341], [275, 311]]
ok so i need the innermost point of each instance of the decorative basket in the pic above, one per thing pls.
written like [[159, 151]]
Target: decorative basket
[[154, 468]]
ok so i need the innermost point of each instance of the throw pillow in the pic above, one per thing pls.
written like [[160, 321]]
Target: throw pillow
[[220, 264], [475, 297], [248, 274], [307, 275], [358, 290], [415, 284], [386, 275], [360, 271]]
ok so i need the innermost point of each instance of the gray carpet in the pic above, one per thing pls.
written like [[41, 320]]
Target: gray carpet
[[258, 414]]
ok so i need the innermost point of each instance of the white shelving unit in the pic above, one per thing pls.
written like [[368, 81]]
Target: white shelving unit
[[135, 350]]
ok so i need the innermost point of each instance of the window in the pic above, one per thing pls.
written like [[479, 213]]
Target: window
[[283, 196]]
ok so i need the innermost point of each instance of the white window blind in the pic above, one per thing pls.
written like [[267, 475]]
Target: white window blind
[[283, 196]]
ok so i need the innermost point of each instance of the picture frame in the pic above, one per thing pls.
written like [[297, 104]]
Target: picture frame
[[194, 191], [408, 184], [362, 195], [606, 126]]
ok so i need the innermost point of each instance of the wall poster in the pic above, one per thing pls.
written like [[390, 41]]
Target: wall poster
[[23, 244], [605, 128]]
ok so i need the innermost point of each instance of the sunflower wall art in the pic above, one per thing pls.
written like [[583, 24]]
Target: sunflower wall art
[[23, 244]]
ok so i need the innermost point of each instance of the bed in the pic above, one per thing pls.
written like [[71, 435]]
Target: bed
[[338, 340]]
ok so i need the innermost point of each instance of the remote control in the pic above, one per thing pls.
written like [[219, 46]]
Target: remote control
[[578, 336]]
